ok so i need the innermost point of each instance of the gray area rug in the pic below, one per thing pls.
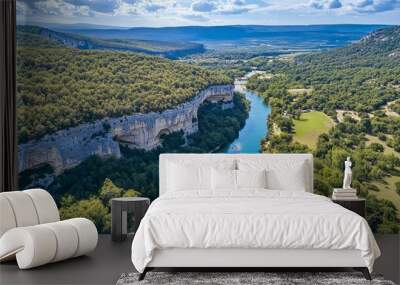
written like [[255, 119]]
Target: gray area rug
[[243, 278]]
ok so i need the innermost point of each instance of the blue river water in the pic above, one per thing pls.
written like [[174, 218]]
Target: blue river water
[[256, 127]]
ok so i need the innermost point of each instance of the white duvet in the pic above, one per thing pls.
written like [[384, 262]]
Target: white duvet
[[250, 219]]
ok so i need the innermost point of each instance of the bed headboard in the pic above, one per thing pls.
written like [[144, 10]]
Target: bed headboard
[[210, 158]]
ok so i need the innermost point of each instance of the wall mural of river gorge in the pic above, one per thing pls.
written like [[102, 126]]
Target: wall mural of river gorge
[[105, 86]]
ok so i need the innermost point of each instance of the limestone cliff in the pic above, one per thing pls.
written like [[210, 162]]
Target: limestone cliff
[[67, 148]]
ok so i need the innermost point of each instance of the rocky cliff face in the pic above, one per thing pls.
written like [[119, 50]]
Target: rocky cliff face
[[67, 148]]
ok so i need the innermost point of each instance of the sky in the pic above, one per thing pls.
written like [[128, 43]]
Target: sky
[[158, 13]]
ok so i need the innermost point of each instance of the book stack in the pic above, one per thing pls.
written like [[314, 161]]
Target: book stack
[[344, 194]]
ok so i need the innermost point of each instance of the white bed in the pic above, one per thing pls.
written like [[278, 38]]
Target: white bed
[[249, 227]]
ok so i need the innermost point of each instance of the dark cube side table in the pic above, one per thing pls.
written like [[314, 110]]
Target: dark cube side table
[[124, 210], [357, 205]]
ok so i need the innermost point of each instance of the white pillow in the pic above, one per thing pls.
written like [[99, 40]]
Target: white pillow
[[251, 178], [281, 174], [185, 178], [204, 161], [223, 179], [291, 178]]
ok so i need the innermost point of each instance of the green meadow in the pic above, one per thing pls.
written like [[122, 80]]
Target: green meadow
[[310, 126]]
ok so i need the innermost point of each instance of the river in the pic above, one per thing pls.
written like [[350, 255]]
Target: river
[[256, 126]]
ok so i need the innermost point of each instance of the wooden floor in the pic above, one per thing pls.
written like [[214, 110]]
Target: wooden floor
[[110, 260]]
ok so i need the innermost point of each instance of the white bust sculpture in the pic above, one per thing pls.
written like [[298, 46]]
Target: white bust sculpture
[[347, 174]]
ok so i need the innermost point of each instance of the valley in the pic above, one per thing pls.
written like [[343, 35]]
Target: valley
[[243, 41], [256, 126], [61, 87], [333, 93], [354, 86]]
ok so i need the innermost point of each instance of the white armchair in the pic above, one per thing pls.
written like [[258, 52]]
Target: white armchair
[[31, 230]]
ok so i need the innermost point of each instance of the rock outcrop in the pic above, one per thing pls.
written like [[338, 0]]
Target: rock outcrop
[[67, 148]]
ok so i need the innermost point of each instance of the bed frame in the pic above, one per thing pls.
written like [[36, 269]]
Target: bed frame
[[249, 259], [245, 259]]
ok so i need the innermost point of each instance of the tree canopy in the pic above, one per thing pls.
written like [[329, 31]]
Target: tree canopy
[[60, 87]]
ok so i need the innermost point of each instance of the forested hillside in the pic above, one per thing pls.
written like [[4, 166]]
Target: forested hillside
[[163, 48], [360, 79], [59, 87]]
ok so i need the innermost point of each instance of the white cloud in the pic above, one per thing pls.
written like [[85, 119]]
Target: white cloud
[[317, 5], [326, 4], [211, 11], [154, 7], [235, 11], [196, 17], [227, 7], [375, 6], [335, 4], [204, 6], [61, 8], [358, 6]]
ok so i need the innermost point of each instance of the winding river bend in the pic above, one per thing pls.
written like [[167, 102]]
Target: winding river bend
[[256, 126]]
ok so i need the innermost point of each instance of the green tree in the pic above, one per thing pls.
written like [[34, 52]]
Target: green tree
[[131, 193], [92, 209], [398, 187], [108, 191]]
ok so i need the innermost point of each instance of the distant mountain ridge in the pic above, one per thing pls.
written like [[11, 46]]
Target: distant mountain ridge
[[329, 35], [385, 34], [152, 47], [379, 47], [383, 40], [60, 26]]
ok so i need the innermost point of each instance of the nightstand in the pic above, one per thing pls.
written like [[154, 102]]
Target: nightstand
[[357, 205], [126, 214]]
